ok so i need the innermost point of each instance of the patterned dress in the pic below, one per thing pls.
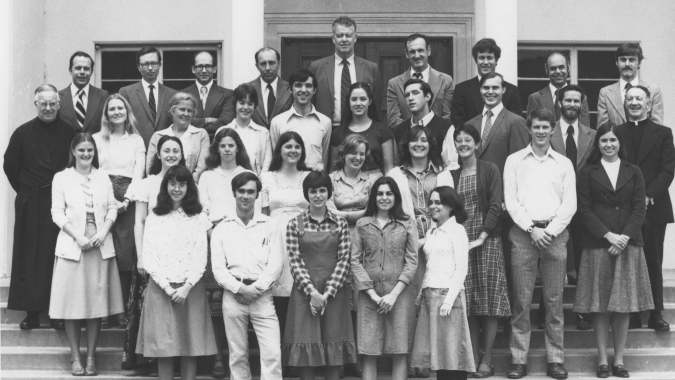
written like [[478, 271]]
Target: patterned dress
[[485, 283]]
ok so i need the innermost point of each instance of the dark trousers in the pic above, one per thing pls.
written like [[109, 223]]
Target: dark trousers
[[281, 307], [507, 223], [654, 235], [444, 374]]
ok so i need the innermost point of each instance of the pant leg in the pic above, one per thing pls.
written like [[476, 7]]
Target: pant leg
[[236, 317], [552, 267], [266, 326], [444, 374], [524, 259], [654, 236]]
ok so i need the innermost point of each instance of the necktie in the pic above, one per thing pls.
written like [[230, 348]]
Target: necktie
[[628, 87], [417, 75], [80, 110], [571, 147], [556, 105], [344, 88], [486, 129], [151, 103], [203, 91], [271, 99]]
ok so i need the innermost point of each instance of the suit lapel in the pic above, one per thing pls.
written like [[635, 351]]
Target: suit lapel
[[557, 142], [359, 66], [498, 121], [68, 107], [92, 105], [260, 109], [649, 138], [161, 91], [404, 78], [625, 174], [283, 93], [547, 99], [477, 99], [600, 175], [435, 83], [585, 142], [330, 73], [616, 99], [141, 96], [212, 98], [194, 90]]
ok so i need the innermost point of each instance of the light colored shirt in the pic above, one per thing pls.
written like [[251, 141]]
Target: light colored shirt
[[564, 126], [121, 155], [315, 130], [146, 191], [155, 91], [266, 92], [337, 86], [215, 193], [495, 111], [623, 83], [425, 74], [199, 89], [612, 170], [195, 143], [257, 142], [425, 120], [246, 252], [553, 89], [540, 189], [447, 253], [85, 99], [351, 197]]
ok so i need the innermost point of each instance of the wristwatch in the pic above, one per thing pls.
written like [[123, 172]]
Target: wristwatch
[[530, 229]]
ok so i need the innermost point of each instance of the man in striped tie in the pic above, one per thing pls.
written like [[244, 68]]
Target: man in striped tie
[[81, 103]]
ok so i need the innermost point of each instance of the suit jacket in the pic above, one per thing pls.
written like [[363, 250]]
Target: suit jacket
[[508, 135], [610, 104], [442, 88], [544, 99], [467, 102], [489, 193], [601, 209], [219, 104], [324, 70], [282, 104], [656, 160], [146, 126], [584, 143], [94, 112]]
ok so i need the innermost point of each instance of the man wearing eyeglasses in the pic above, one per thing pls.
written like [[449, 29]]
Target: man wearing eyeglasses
[[36, 151], [148, 98], [215, 107]]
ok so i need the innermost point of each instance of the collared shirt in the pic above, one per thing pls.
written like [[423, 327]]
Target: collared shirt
[[564, 126], [266, 91], [256, 140], [341, 273], [425, 120], [199, 90], [215, 193], [121, 155], [495, 111], [146, 89], [447, 254], [337, 86], [553, 89], [622, 85], [315, 129], [540, 189], [421, 185], [185, 139], [246, 252], [351, 197], [425, 73], [74, 90]]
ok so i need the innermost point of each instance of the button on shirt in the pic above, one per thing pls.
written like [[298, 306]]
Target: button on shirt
[[74, 91], [266, 92], [246, 252], [315, 130], [564, 125], [337, 86], [540, 189], [146, 89], [447, 253]]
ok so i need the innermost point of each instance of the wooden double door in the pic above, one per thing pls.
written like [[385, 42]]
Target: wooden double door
[[388, 53]]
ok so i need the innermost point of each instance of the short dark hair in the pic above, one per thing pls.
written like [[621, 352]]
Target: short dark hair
[[413, 37], [80, 54], [596, 155], [426, 89], [570, 87], [450, 197], [434, 149], [77, 140], [629, 49], [301, 76], [469, 130], [643, 88], [344, 20], [241, 158], [190, 203], [490, 76], [242, 179], [243, 91], [317, 179], [156, 163], [147, 50], [276, 154], [267, 49], [396, 212], [542, 114], [486, 45], [194, 57]]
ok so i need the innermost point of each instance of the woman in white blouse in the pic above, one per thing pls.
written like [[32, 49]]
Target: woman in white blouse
[[255, 137], [121, 153], [195, 140], [85, 284], [175, 318], [442, 336]]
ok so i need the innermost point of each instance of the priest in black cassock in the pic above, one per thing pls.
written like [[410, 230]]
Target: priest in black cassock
[[37, 150]]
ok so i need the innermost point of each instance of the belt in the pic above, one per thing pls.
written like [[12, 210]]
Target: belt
[[245, 281], [541, 223]]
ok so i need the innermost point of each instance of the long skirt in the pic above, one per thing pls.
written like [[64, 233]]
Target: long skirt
[[389, 333]]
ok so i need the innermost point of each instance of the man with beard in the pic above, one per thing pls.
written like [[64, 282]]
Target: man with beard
[[611, 101], [557, 68]]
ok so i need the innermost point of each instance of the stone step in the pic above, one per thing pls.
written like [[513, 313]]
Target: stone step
[[571, 317], [570, 291]]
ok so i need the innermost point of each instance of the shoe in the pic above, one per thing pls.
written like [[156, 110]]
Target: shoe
[[76, 368], [91, 370], [635, 321], [122, 323], [30, 323], [620, 371], [423, 373], [556, 371], [583, 324], [219, 371], [58, 324], [412, 374], [602, 371], [482, 373], [105, 323], [657, 322], [517, 371]]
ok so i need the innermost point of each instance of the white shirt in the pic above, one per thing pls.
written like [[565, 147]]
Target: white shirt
[[540, 189], [85, 99], [215, 193], [257, 142], [146, 89], [564, 126], [246, 252], [425, 74], [495, 111], [315, 129], [447, 253], [337, 86], [425, 120], [266, 92], [612, 169], [121, 155], [622, 85], [199, 90], [553, 91]]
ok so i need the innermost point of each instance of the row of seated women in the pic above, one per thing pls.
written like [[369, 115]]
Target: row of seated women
[[159, 225]]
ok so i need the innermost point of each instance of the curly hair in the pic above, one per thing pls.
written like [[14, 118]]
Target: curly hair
[[190, 203], [413, 133], [241, 158]]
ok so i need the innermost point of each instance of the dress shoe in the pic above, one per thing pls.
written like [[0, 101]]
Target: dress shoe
[[517, 371], [620, 371], [635, 322], [423, 373], [602, 372], [30, 323], [556, 371], [657, 322], [58, 324], [583, 324]]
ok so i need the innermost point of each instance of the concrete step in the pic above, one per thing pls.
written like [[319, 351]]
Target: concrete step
[[570, 291], [571, 317]]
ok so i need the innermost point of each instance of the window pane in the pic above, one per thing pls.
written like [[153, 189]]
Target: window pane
[[178, 64], [597, 65], [531, 63], [114, 87], [528, 87], [592, 89], [178, 84], [119, 65]]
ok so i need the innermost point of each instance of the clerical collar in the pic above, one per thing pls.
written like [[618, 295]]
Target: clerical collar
[[639, 123]]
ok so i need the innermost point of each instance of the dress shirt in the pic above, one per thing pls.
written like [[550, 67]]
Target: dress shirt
[[425, 120], [447, 253], [257, 142], [351, 197], [341, 273], [495, 111], [85, 99], [155, 91], [564, 125], [622, 85], [421, 185], [245, 252], [425, 74], [540, 189], [215, 193], [315, 129], [121, 155], [199, 90], [553, 89], [337, 86], [175, 247], [266, 92], [612, 169]]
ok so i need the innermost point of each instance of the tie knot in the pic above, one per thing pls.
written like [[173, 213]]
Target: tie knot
[[269, 87], [417, 75], [488, 113], [570, 130], [151, 87], [345, 62], [628, 86], [204, 90]]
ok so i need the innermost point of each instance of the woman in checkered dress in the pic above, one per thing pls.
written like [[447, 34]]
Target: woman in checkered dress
[[479, 184]]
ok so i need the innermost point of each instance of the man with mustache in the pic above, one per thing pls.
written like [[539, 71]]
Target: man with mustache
[[274, 96], [649, 145], [611, 100], [557, 68]]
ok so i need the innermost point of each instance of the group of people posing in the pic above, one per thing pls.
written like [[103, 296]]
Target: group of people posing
[[183, 216]]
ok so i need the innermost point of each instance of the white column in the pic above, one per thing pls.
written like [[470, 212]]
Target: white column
[[498, 19], [6, 192], [248, 36]]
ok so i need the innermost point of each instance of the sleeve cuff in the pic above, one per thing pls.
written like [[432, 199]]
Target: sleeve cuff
[[365, 285]]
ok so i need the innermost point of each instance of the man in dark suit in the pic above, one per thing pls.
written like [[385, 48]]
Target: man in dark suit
[[467, 101], [650, 146], [558, 70], [214, 103], [81, 103], [148, 98], [442, 87], [274, 94], [336, 73]]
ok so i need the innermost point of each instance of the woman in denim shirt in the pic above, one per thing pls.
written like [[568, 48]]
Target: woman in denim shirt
[[384, 261]]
